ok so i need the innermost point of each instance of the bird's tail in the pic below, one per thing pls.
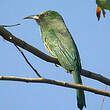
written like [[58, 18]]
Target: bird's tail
[[80, 93]]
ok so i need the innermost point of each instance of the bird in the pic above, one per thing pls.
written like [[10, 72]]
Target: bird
[[60, 44], [101, 6]]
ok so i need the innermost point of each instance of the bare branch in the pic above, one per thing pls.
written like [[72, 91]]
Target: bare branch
[[101, 107], [28, 62], [54, 82], [11, 38], [9, 25], [95, 76]]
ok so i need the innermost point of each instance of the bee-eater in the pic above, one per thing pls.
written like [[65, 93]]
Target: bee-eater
[[101, 6], [59, 42]]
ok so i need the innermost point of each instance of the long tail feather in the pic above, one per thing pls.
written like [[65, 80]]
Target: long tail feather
[[80, 93]]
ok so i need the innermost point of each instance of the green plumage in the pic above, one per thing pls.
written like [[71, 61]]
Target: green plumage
[[103, 4], [59, 42]]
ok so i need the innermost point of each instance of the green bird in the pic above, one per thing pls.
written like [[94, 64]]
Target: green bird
[[59, 42], [101, 6]]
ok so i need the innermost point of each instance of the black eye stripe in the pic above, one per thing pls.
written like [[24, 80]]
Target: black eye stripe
[[42, 15]]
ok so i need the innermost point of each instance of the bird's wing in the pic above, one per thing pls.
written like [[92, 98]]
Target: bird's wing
[[63, 48]]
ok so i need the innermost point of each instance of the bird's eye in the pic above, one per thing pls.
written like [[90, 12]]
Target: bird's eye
[[46, 14]]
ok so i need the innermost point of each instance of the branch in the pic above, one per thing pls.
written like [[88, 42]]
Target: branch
[[9, 25], [11, 38], [28, 62], [101, 107], [54, 82]]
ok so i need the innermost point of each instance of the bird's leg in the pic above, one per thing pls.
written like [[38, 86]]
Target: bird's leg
[[68, 71]]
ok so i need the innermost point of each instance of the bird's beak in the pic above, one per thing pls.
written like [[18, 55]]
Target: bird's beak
[[36, 17], [98, 12]]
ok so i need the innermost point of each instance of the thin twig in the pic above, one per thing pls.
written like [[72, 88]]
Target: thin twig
[[103, 98], [54, 82], [28, 62], [9, 25]]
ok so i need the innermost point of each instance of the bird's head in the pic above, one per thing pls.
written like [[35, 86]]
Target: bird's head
[[45, 17]]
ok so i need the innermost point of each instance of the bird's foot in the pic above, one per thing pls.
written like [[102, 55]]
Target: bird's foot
[[68, 71]]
